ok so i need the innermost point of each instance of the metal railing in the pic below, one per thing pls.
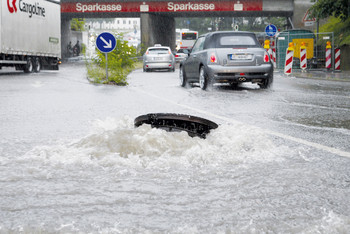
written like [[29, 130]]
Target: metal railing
[[316, 49]]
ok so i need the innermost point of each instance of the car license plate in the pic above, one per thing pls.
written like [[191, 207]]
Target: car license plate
[[241, 56], [158, 58]]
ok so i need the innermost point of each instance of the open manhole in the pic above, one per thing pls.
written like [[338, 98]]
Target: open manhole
[[193, 125]]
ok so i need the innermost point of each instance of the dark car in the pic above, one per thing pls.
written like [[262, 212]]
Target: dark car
[[227, 57]]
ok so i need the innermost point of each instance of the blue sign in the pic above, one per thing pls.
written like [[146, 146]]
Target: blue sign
[[106, 42], [271, 30]]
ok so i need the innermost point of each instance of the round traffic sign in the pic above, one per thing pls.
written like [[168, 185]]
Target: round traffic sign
[[271, 30], [106, 42]]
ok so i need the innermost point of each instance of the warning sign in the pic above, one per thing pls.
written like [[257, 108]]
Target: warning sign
[[308, 17]]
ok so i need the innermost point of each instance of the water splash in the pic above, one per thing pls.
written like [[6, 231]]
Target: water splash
[[117, 141]]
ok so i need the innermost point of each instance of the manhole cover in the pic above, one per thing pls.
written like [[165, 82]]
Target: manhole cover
[[193, 125]]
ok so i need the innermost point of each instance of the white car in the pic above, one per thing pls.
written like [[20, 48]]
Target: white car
[[158, 57], [180, 55]]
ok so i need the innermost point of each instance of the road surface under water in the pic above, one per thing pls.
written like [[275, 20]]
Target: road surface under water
[[72, 162]]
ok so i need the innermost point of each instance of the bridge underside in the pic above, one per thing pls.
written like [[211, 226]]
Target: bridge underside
[[159, 27]]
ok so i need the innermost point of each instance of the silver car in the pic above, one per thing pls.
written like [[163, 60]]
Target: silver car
[[180, 55], [227, 57], [158, 57]]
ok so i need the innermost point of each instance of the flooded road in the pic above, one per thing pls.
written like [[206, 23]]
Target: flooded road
[[71, 160]]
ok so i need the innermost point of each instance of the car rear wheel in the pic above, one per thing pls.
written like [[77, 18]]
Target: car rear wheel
[[267, 82], [183, 78], [203, 79]]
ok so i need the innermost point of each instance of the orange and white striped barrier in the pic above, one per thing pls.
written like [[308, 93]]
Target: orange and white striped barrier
[[337, 59], [289, 59], [303, 60], [273, 55], [328, 55], [267, 47]]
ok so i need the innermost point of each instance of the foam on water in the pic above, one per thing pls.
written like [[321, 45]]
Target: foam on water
[[118, 142], [122, 179], [329, 223]]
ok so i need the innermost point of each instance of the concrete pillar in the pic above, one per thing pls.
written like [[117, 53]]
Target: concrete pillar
[[65, 36], [157, 29]]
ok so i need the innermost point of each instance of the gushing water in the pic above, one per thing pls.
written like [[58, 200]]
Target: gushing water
[[121, 179]]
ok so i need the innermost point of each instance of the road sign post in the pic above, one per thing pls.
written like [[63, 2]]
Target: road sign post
[[271, 30], [106, 43]]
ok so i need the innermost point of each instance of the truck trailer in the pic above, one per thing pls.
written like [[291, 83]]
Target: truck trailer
[[30, 32]]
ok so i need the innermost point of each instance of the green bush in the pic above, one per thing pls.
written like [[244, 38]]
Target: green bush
[[77, 24], [121, 61], [340, 28]]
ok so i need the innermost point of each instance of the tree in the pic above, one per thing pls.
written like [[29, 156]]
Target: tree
[[325, 8], [77, 24], [340, 28]]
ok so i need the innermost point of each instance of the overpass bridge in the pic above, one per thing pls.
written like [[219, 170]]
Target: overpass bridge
[[158, 17]]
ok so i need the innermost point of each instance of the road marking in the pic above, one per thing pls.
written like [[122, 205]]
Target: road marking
[[272, 133]]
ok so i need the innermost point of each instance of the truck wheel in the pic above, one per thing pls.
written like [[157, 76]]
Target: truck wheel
[[28, 68], [37, 65]]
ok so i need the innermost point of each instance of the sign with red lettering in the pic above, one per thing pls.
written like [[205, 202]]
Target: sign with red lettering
[[162, 6]]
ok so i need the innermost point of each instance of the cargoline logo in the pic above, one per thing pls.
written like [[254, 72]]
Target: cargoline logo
[[12, 8], [31, 9]]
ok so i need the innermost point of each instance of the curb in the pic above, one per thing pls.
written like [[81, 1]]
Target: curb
[[319, 75]]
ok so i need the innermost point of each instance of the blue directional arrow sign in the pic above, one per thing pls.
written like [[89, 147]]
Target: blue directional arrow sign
[[271, 30], [106, 42]]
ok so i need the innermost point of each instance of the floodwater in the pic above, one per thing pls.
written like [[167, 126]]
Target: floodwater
[[108, 177]]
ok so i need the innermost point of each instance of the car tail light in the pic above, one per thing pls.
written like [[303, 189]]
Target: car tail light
[[147, 52], [176, 55], [213, 58], [266, 57]]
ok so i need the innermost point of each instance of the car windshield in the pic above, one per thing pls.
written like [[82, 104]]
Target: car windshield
[[158, 51]]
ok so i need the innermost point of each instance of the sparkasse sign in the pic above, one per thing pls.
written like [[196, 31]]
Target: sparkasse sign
[[160, 6], [190, 6]]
